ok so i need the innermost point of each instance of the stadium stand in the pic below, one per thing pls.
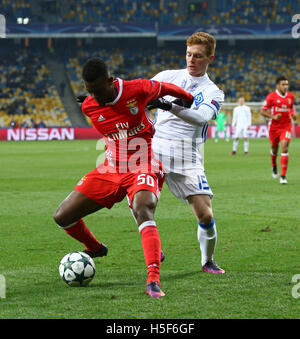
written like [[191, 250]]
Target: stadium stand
[[161, 11], [28, 97], [28, 89], [28, 94], [251, 74]]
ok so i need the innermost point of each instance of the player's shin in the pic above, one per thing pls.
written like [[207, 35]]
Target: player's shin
[[207, 237], [152, 249], [273, 159], [80, 232]]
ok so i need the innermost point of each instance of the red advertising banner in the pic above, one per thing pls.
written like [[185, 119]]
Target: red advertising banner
[[31, 134], [70, 133]]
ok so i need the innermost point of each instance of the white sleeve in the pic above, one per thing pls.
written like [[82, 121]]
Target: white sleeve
[[249, 117], [159, 76], [196, 117], [234, 118], [204, 112]]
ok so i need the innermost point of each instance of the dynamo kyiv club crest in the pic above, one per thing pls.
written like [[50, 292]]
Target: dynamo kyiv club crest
[[198, 99]]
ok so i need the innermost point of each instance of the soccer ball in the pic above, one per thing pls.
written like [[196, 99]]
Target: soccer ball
[[77, 269]]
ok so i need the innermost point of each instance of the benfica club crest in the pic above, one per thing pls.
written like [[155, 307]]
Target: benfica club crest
[[133, 107]]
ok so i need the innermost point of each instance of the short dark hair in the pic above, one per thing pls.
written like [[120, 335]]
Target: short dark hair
[[93, 69], [281, 78]]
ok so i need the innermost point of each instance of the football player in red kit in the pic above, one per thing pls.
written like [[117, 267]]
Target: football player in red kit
[[117, 109], [279, 107]]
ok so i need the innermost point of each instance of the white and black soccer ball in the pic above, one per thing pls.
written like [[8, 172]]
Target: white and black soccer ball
[[77, 269]]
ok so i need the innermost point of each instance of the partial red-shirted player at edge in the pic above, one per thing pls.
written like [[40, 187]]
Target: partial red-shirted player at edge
[[117, 109], [279, 107]]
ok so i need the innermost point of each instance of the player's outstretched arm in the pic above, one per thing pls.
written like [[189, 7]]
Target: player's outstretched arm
[[160, 103], [175, 91], [197, 117]]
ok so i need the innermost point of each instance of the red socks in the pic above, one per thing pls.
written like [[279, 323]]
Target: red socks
[[150, 242], [284, 160], [152, 249], [80, 232]]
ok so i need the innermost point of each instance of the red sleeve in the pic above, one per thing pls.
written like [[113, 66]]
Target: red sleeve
[[156, 89], [292, 111], [268, 103], [174, 91]]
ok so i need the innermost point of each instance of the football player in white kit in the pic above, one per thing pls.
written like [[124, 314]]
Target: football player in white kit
[[181, 131], [241, 121]]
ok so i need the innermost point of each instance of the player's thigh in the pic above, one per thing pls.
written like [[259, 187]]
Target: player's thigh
[[285, 138], [143, 191], [104, 188], [274, 138], [193, 182], [238, 133], [74, 207], [284, 144], [245, 133]]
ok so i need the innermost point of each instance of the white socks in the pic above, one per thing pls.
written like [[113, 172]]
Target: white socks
[[207, 237], [235, 145]]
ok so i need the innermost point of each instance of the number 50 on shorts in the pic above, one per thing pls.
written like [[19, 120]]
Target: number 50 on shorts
[[143, 179]]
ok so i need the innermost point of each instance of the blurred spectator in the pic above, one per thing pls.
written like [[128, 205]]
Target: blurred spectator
[[40, 124], [13, 123]]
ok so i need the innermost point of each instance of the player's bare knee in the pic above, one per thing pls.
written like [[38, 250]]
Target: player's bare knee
[[60, 218], [206, 217], [144, 212], [57, 217], [143, 206]]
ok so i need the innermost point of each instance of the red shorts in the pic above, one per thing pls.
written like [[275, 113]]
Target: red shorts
[[109, 188], [278, 134]]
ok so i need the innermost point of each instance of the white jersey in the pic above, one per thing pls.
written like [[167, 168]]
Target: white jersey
[[241, 117], [175, 138]]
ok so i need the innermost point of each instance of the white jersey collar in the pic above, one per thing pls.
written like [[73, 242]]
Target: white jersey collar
[[120, 82], [203, 77]]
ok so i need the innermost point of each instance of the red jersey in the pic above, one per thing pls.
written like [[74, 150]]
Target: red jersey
[[284, 105], [125, 123]]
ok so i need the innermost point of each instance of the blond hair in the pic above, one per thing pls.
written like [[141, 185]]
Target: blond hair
[[202, 38]]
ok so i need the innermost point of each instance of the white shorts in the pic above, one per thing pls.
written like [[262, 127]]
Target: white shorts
[[241, 133], [183, 186]]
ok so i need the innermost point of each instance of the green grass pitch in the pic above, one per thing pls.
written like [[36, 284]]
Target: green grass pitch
[[258, 240]]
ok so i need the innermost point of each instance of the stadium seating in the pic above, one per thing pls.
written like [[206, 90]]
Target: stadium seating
[[251, 74], [161, 11], [28, 96]]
